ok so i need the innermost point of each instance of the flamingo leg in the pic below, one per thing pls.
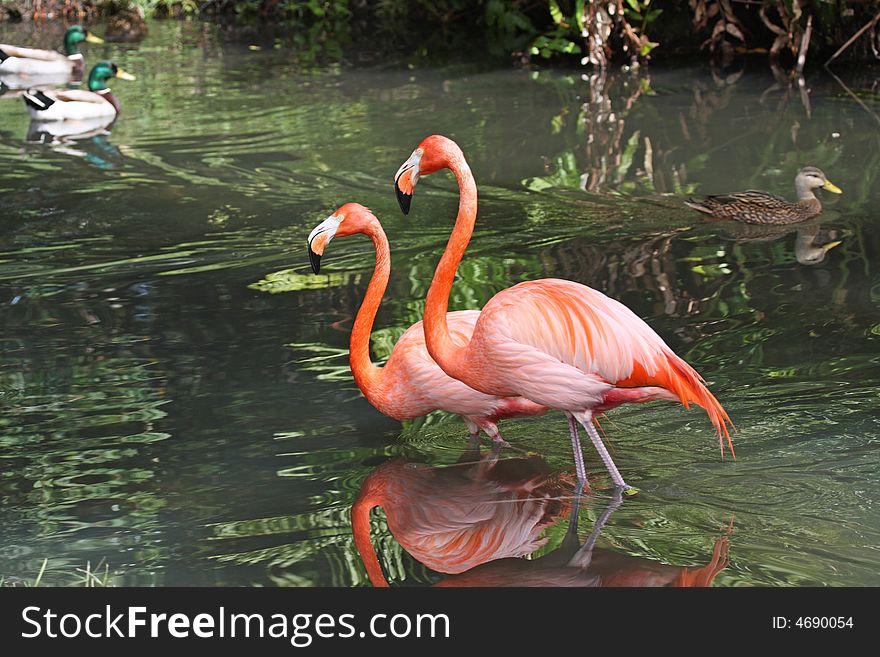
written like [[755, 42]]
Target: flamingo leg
[[570, 540], [613, 505], [577, 451], [498, 440], [584, 556], [492, 431], [474, 442], [587, 420]]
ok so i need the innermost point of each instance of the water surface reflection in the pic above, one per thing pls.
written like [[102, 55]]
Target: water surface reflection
[[476, 519]]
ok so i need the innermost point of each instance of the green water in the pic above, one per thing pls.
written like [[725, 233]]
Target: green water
[[166, 417]]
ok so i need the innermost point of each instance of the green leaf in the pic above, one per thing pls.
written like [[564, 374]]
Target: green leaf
[[647, 48], [579, 8], [626, 158], [635, 5], [556, 12], [652, 15]]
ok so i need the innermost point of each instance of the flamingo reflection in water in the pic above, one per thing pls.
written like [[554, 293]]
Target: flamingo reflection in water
[[477, 519]]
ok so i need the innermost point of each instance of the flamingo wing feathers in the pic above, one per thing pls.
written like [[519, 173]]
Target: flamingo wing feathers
[[452, 519], [420, 386], [534, 331]]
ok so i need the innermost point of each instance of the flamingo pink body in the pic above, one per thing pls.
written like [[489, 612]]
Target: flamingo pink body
[[458, 517], [476, 519], [557, 343], [410, 384]]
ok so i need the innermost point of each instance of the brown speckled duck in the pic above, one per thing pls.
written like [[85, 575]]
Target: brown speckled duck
[[755, 207], [127, 24]]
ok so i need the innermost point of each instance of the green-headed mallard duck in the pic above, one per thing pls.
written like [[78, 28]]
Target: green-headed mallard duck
[[754, 207], [77, 104], [31, 61]]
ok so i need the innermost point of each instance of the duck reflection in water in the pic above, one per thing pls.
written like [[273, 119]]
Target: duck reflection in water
[[809, 249], [477, 519], [812, 243], [84, 138]]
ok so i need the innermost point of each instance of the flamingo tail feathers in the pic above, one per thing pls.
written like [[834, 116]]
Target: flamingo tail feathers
[[684, 381], [702, 577], [360, 527], [679, 378]]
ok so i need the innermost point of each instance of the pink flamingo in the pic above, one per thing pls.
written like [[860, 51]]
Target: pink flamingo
[[557, 343], [410, 384], [475, 520], [455, 518]]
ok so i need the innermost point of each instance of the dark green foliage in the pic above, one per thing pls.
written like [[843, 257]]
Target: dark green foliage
[[590, 31]]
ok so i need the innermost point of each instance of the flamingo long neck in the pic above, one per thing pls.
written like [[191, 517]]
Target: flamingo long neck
[[367, 376], [360, 528], [447, 353]]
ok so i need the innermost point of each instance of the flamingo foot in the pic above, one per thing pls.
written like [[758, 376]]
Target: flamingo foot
[[497, 439], [501, 443]]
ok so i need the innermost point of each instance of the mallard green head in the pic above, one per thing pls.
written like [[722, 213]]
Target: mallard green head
[[76, 35], [103, 71]]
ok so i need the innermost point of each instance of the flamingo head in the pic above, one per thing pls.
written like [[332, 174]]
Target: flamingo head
[[349, 219], [433, 154]]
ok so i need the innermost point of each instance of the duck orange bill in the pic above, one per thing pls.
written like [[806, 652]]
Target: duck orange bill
[[831, 187], [92, 38], [403, 186], [124, 75]]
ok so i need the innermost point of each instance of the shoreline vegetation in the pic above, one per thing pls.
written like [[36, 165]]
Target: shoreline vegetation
[[592, 33]]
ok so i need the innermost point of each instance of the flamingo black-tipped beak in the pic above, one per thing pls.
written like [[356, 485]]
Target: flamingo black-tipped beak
[[315, 261], [404, 200], [405, 181], [319, 238]]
